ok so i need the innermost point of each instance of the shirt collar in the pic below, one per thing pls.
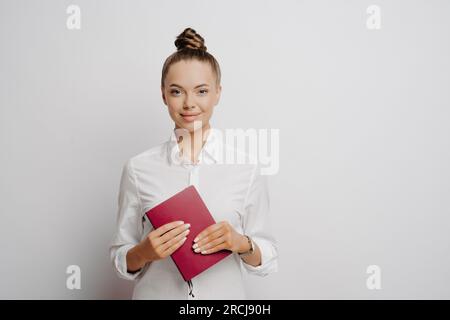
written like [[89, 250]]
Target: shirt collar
[[210, 153]]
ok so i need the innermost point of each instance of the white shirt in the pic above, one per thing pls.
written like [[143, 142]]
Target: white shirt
[[236, 193]]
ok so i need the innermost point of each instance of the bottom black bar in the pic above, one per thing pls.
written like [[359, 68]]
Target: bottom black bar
[[238, 309]]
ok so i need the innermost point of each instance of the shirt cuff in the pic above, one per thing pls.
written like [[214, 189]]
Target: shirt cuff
[[269, 259], [120, 263]]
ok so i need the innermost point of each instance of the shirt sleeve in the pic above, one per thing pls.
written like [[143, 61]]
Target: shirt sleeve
[[128, 230], [256, 224]]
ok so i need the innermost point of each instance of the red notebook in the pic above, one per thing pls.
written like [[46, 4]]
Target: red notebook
[[187, 206]]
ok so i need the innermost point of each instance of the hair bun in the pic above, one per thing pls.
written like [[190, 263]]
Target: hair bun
[[189, 38]]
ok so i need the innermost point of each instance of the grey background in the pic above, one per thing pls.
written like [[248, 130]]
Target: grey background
[[363, 116]]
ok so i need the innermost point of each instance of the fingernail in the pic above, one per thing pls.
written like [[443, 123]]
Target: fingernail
[[187, 231], [184, 239], [197, 250], [188, 225], [180, 222], [203, 252], [195, 245], [196, 239]]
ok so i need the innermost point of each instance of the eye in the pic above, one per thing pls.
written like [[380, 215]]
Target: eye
[[175, 92], [203, 92]]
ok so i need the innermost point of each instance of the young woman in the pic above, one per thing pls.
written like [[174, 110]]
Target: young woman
[[236, 194]]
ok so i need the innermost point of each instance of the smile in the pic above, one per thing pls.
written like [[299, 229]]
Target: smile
[[190, 117]]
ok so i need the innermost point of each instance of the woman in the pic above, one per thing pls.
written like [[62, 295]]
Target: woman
[[235, 194]]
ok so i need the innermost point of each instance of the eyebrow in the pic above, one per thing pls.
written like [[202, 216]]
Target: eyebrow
[[200, 85]]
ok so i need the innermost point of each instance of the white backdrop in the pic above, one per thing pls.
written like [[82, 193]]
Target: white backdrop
[[363, 116]]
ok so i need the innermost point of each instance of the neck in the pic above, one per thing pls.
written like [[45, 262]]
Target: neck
[[191, 148]]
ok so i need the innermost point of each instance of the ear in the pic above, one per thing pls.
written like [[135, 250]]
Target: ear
[[218, 93]]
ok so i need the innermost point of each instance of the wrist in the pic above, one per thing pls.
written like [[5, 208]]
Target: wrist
[[244, 245], [134, 263], [136, 257], [141, 252]]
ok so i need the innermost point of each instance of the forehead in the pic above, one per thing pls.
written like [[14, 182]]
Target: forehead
[[190, 73]]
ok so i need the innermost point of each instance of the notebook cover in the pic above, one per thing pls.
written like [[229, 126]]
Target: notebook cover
[[187, 206]]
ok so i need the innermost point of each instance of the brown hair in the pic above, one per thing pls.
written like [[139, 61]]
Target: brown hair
[[190, 45]]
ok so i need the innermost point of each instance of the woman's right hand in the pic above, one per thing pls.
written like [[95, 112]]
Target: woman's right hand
[[163, 241], [159, 244]]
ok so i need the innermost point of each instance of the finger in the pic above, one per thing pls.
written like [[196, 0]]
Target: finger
[[209, 238], [166, 227], [207, 231], [211, 244], [170, 235], [174, 240], [217, 248], [174, 247], [174, 232]]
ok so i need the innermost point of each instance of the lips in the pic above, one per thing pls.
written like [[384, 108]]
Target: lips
[[189, 117]]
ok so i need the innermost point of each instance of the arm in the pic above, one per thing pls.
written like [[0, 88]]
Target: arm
[[128, 232], [256, 224]]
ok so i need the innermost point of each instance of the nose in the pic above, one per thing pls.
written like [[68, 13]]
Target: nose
[[188, 102]]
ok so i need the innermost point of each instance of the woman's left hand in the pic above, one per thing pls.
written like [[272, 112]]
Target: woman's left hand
[[218, 237]]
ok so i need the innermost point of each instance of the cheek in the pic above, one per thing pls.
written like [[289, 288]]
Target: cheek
[[209, 107], [207, 104], [174, 104]]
